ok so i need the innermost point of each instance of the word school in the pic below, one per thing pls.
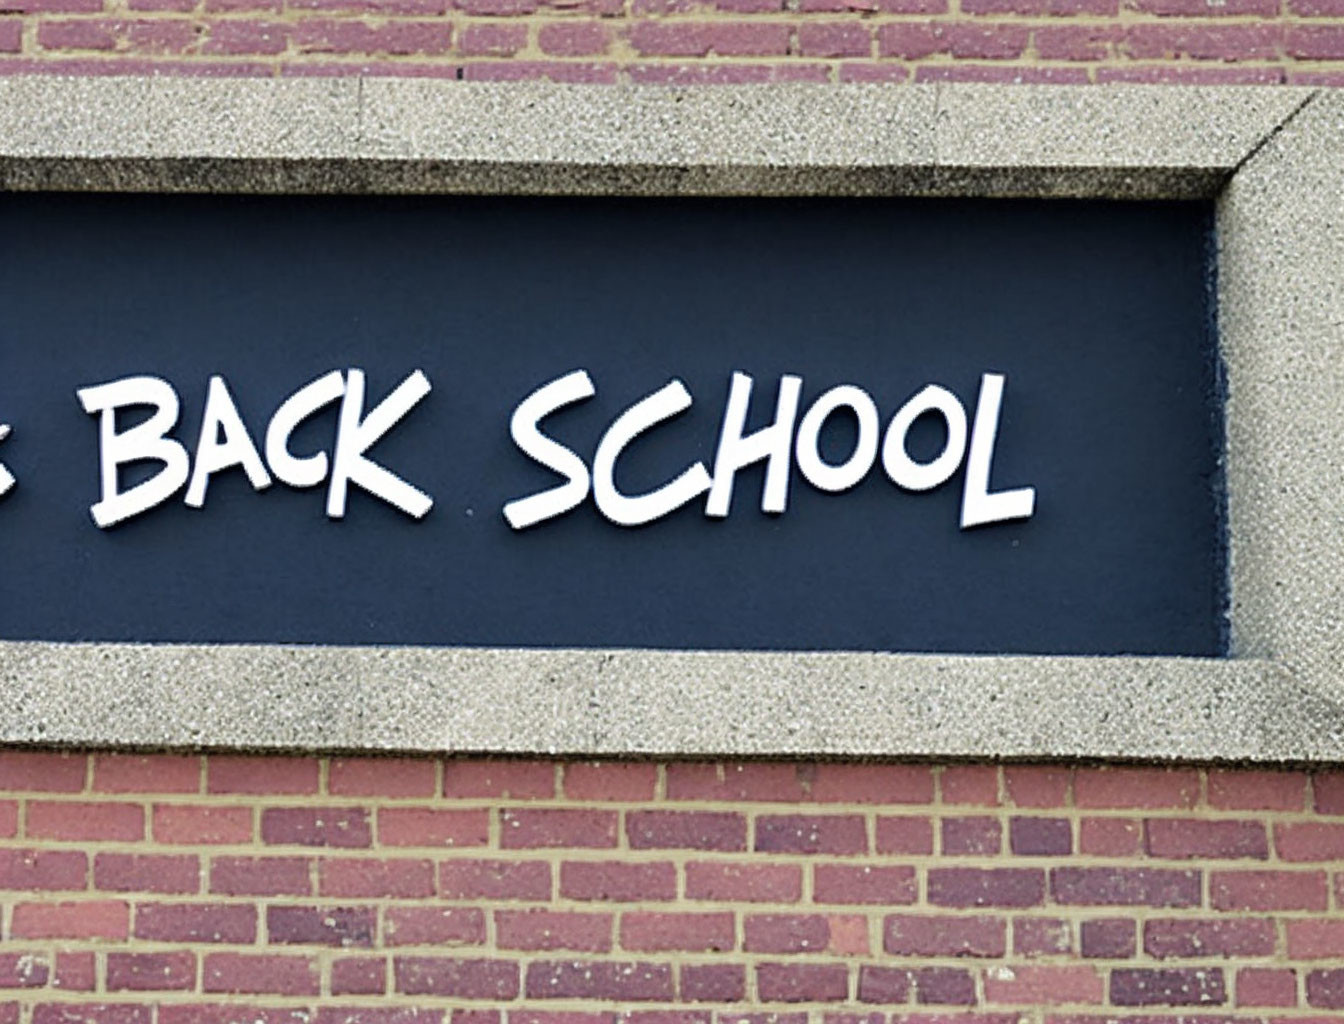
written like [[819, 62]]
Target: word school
[[224, 443]]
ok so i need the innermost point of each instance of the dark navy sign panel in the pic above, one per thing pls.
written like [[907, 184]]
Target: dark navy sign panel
[[1098, 314]]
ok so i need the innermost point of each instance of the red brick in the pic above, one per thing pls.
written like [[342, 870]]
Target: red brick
[[657, 932], [557, 827], [990, 887], [101, 919], [1036, 785], [977, 836], [377, 1015], [1076, 42], [43, 869], [919, 935], [1257, 790], [548, 929], [1326, 989], [89, 822], [1042, 7], [494, 880], [746, 883], [1310, 841], [196, 922], [152, 773], [322, 926], [713, 983], [699, 39], [944, 985], [1175, 74], [1183, 986], [627, 781], [390, 777], [752, 781], [1202, 42], [511, 780], [1321, 939], [146, 972], [969, 784], [607, 980], [834, 39], [398, 879], [572, 71], [686, 830], [491, 40], [1040, 837], [1108, 938], [1041, 936], [867, 883], [962, 71], [433, 926], [258, 974], [875, 6], [988, 41], [720, 73], [582, 39], [1267, 890], [906, 835], [261, 876], [359, 976], [1185, 839], [609, 880], [1262, 986], [1021, 985], [423, 826], [90, 1013], [124, 872], [24, 970], [75, 972], [804, 933], [260, 775], [29, 771], [316, 826], [1152, 887], [804, 833], [1110, 837], [1136, 787], [188, 1013], [323, 35], [883, 984], [802, 983], [1191, 937], [9, 819], [1198, 8], [868, 783], [177, 824], [1328, 792]]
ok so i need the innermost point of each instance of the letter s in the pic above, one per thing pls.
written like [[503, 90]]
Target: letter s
[[535, 508]]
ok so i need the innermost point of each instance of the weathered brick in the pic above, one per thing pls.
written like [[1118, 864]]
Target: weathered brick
[[1042, 7], [944, 986], [1202, 42], [88, 822], [1170, 986], [610, 980], [498, 779], [433, 926], [802, 983], [43, 869], [1257, 790], [25, 771], [322, 926], [89, 919], [261, 876], [1315, 939], [1014, 74], [230, 1013], [491, 40], [571, 71], [752, 781], [867, 783], [1198, 8], [456, 978], [746, 883], [883, 984], [1327, 790], [358, 976], [686, 830], [978, 836], [969, 784], [261, 776], [75, 972], [1265, 986], [655, 38], [230, 38], [90, 1013], [196, 922], [866, 883], [1076, 42], [625, 882], [124, 872], [903, 835], [363, 1014], [1149, 788], [809, 833], [1110, 837], [1325, 989], [1040, 837], [1267, 890], [494, 880], [659, 932], [987, 887], [1309, 841], [1036, 785], [338, 35], [1022, 985], [24, 970], [834, 39], [1119, 886], [1108, 938], [9, 818], [1184, 839], [553, 930], [802, 933], [146, 773], [186, 825], [259, 974], [142, 972], [557, 827], [402, 878], [980, 41], [316, 826], [1187, 938], [944, 935], [587, 39], [712, 983], [424, 826], [393, 777], [1041, 936]]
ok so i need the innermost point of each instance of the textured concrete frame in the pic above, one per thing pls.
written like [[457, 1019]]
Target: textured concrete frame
[[1272, 158]]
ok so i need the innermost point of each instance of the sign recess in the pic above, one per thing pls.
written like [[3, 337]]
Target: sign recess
[[899, 425]]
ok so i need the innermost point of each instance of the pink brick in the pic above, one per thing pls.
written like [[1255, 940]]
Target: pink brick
[[657, 932], [43, 869], [629, 882], [9, 819], [196, 922], [626, 781], [1163, 74], [1188, 938], [1198, 8], [842, 935], [959, 71], [699, 39], [864, 884], [456, 978], [380, 8], [978, 836], [253, 974], [423, 826], [494, 880], [1267, 890], [1036, 785], [24, 771], [1043, 986], [1187, 838], [228, 38], [148, 972], [1309, 841], [802, 983], [874, 6], [807, 833], [557, 827], [261, 876], [124, 872], [1202, 42], [867, 783], [551, 930], [100, 919], [686, 830], [570, 71], [987, 41], [1264, 986], [834, 39], [922, 935], [1041, 936], [583, 39], [382, 776], [1318, 939], [970, 784], [1042, 7], [905, 835], [359, 976], [512, 780], [1316, 8], [261, 775], [346, 827], [438, 926], [321, 35], [402, 878], [179, 824], [699, 73], [1257, 790], [747, 883], [153, 773], [90, 822], [1076, 42], [1150, 788], [1110, 837], [491, 40]]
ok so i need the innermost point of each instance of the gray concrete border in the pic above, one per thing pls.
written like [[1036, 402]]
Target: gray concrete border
[[1271, 158]]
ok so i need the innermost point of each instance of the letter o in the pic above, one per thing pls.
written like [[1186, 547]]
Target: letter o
[[816, 470], [924, 476]]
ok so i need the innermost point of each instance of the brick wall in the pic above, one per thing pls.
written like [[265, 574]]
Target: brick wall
[[176, 890], [687, 41]]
